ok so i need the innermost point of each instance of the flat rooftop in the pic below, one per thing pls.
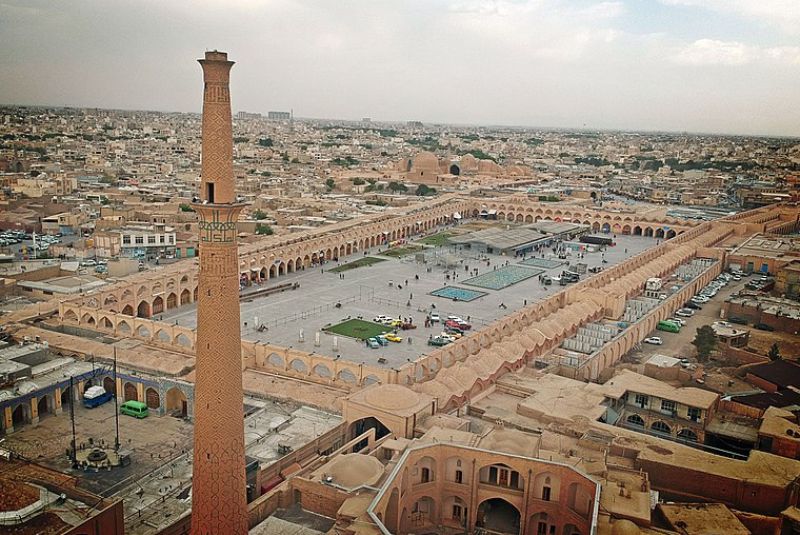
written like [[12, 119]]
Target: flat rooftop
[[71, 284], [702, 518], [777, 306], [770, 247], [501, 238]]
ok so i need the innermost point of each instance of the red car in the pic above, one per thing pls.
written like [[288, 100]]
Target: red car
[[462, 325]]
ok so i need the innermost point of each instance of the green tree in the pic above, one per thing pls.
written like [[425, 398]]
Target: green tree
[[330, 184], [774, 352], [358, 181], [705, 341], [423, 190], [258, 215], [262, 229], [185, 207], [397, 187], [265, 142], [295, 160]]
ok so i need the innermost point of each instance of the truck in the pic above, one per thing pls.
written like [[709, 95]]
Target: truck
[[95, 396]]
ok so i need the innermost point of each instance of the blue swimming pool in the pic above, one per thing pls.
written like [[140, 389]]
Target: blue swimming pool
[[454, 292], [503, 277]]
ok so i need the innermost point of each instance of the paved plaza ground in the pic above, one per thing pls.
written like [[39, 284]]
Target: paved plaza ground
[[391, 288], [154, 487]]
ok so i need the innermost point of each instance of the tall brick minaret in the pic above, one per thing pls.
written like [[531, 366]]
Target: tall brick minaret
[[219, 502]]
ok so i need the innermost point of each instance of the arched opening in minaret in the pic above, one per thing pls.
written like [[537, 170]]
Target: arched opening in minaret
[[210, 192]]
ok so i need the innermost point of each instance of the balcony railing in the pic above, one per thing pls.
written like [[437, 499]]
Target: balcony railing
[[515, 490]]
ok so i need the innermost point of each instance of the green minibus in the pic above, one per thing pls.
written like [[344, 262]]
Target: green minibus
[[137, 409]]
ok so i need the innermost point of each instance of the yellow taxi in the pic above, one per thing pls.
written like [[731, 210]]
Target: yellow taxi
[[393, 337]]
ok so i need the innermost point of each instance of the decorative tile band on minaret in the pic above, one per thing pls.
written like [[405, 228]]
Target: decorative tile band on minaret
[[219, 500]]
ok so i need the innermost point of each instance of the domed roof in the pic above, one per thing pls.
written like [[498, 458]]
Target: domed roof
[[624, 527], [468, 161], [354, 469], [507, 441], [426, 160], [391, 397], [488, 166]]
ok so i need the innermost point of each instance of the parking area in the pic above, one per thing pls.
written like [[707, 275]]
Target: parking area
[[680, 344], [400, 288]]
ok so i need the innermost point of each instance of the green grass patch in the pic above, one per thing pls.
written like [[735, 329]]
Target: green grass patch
[[398, 252], [438, 240], [361, 262], [359, 329]]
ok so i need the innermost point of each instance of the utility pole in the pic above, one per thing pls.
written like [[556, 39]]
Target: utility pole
[[116, 404], [72, 418]]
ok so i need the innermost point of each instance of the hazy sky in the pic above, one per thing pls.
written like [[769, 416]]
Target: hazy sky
[[728, 66]]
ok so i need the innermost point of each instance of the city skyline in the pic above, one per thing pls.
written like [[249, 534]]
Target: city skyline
[[721, 69]]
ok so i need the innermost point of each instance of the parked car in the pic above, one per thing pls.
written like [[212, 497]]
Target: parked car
[[764, 327], [434, 317], [684, 312], [381, 339], [373, 343], [438, 341], [693, 306], [393, 337], [454, 331], [655, 340], [381, 318], [678, 320], [739, 321], [408, 326]]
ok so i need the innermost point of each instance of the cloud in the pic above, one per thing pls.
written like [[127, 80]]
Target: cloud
[[783, 14], [732, 53], [525, 62], [712, 52]]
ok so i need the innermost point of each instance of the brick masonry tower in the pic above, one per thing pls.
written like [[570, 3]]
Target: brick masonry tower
[[219, 502]]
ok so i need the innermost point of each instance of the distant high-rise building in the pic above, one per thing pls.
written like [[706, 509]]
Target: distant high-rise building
[[219, 500], [242, 115], [279, 115]]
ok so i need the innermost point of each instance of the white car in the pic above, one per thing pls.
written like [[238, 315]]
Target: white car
[[434, 317], [678, 320], [455, 318], [685, 313], [655, 340], [700, 299], [381, 318]]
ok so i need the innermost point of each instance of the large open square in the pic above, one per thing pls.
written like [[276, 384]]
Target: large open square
[[397, 287]]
